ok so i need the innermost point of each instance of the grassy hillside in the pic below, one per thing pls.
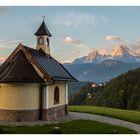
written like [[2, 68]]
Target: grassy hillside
[[73, 127], [80, 98], [127, 115], [121, 92]]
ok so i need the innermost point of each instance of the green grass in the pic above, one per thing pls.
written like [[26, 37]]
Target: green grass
[[72, 127], [127, 115]]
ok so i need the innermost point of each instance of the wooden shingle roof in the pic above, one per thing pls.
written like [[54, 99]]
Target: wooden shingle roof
[[19, 70]]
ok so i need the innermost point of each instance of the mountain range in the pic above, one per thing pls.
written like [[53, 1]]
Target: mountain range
[[101, 67], [120, 52]]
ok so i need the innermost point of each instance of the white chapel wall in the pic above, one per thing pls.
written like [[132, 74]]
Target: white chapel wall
[[19, 96]]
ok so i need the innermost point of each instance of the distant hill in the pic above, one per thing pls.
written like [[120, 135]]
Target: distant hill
[[121, 92], [102, 72], [78, 69]]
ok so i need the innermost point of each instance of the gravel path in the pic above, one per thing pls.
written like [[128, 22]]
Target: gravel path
[[76, 116], [108, 120]]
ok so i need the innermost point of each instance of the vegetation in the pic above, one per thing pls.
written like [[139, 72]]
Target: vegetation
[[74, 87], [122, 92], [73, 127], [80, 98], [127, 115]]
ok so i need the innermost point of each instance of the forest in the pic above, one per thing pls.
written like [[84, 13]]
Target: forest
[[121, 92]]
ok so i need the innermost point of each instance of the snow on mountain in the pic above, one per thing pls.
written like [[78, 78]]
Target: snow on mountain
[[120, 52]]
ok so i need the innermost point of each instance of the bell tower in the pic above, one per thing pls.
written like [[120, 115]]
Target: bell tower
[[43, 38]]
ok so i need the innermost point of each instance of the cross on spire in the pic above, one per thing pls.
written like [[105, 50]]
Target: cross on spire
[[43, 30], [43, 18]]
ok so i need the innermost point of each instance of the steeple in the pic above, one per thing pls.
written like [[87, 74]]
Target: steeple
[[43, 38]]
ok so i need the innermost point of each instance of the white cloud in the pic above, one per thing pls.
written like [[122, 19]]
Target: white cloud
[[72, 42], [77, 18], [113, 38]]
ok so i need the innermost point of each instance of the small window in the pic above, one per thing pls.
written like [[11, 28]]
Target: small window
[[56, 95], [48, 43], [40, 41]]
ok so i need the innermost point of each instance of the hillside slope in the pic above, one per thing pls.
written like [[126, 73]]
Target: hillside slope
[[121, 92]]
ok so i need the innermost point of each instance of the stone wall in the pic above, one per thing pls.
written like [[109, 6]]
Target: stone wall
[[19, 115], [33, 115], [54, 113]]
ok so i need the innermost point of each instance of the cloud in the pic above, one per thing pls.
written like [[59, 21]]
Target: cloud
[[78, 18], [113, 38], [72, 42]]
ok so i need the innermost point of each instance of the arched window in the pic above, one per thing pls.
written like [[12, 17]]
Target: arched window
[[56, 95], [48, 43], [40, 41]]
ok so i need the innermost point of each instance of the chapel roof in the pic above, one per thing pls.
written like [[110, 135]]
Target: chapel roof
[[19, 66], [19, 70]]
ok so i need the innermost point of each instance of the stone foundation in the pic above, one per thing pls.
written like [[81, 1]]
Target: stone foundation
[[19, 115], [33, 115], [54, 113]]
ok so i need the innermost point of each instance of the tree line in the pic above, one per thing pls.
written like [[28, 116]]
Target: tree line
[[121, 92]]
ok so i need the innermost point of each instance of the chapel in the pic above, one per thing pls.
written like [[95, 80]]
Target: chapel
[[33, 85]]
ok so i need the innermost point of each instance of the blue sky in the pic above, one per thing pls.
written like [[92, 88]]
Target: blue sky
[[75, 30]]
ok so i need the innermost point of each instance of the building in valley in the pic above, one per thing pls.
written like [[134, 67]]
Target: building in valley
[[33, 85]]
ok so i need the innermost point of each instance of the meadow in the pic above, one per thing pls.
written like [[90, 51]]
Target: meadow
[[127, 115], [81, 126], [72, 127]]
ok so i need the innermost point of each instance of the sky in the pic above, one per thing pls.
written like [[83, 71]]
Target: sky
[[75, 30]]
